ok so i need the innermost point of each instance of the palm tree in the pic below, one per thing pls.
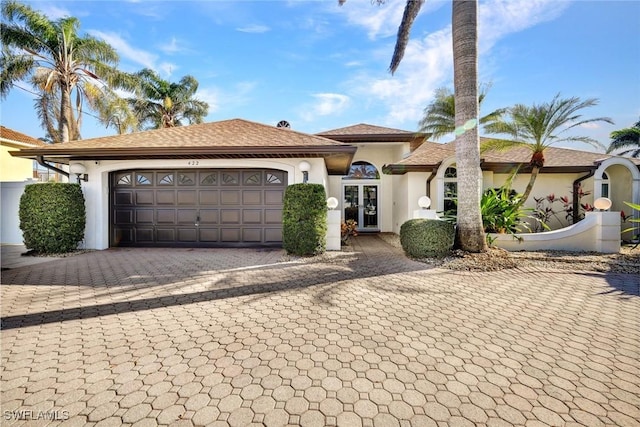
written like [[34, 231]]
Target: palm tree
[[439, 116], [465, 68], [539, 126], [57, 62], [164, 104], [627, 139]]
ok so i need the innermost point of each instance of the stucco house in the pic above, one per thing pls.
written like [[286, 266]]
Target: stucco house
[[221, 183]]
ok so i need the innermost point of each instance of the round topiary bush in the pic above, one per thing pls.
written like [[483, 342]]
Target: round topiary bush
[[304, 219], [422, 238], [52, 217]]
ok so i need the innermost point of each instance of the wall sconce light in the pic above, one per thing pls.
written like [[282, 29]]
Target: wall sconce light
[[424, 202], [602, 204], [305, 167], [332, 203], [80, 171]]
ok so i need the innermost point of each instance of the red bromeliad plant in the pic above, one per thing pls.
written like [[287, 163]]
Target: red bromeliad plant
[[546, 208]]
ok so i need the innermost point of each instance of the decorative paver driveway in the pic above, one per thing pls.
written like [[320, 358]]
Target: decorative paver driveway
[[367, 337]]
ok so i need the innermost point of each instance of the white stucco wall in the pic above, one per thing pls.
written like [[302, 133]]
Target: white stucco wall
[[96, 190], [11, 193]]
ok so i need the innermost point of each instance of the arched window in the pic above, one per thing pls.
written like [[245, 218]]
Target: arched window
[[363, 170], [450, 189], [605, 185]]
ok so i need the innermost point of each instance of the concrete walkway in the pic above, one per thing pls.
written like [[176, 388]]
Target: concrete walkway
[[363, 337]]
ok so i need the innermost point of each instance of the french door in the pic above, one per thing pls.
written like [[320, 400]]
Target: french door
[[361, 204]]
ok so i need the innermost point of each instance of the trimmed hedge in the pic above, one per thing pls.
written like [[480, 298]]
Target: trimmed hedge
[[304, 218], [52, 217], [423, 238]]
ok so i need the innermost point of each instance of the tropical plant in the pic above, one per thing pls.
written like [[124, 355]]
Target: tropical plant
[[464, 25], [546, 208], [439, 116], [634, 228], [59, 63], [501, 212], [348, 229], [164, 104], [539, 126], [626, 141]]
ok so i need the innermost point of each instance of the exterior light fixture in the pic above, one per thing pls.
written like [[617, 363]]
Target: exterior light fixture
[[80, 171], [424, 202], [305, 167], [602, 203], [332, 203]]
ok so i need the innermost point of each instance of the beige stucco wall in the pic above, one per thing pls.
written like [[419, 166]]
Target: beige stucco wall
[[14, 169]]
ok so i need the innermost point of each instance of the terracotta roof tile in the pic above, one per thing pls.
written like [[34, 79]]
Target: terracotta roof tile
[[14, 136]]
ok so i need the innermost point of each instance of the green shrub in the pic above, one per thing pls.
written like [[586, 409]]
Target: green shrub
[[304, 217], [422, 238], [501, 211], [52, 217]]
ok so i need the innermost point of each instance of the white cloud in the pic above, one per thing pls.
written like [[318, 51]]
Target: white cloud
[[174, 46], [54, 12], [211, 96], [428, 62], [254, 29], [135, 55], [326, 104], [237, 95]]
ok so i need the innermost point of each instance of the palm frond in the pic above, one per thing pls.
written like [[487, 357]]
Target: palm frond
[[411, 11]]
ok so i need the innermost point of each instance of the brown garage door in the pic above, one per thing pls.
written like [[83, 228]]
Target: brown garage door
[[197, 208]]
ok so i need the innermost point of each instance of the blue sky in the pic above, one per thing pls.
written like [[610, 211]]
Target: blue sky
[[321, 66]]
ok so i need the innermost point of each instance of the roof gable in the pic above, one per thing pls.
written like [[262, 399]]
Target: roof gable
[[365, 129]]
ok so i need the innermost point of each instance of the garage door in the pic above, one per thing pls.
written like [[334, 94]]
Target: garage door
[[197, 208]]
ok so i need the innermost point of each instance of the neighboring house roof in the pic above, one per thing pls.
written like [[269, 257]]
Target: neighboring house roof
[[430, 154], [16, 139], [365, 133], [235, 138]]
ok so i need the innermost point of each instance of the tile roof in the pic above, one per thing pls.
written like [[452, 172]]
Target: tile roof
[[232, 133], [10, 135]]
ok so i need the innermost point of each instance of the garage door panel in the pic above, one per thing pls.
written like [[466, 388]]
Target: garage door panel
[[166, 197], [166, 216], [273, 235], [230, 235], [187, 234], [209, 234], [273, 216], [144, 235], [144, 216], [252, 197], [187, 216], [273, 197], [196, 207], [122, 217], [230, 216], [208, 216], [252, 216], [252, 235], [187, 197], [144, 197], [123, 198], [229, 197], [208, 197], [165, 234]]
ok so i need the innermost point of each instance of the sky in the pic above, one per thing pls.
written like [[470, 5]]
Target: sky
[[322, 66]]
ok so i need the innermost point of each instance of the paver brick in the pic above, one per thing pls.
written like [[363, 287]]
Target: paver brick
[[362, 337]]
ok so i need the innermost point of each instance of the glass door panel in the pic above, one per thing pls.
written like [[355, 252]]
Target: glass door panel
[[370, 207], [361, 205], [352, 203]]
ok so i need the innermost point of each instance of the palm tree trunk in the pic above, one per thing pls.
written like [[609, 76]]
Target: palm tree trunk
[[65, 115], [532, 180], [471, 235]]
